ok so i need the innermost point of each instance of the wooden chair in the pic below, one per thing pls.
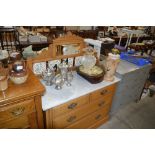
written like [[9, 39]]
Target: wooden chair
[[9, 38]]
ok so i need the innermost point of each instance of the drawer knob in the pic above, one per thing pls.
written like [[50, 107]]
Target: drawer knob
[[103, 92], [18, 111], [72, 106], [98, 116], [71, 119], [101, 104]]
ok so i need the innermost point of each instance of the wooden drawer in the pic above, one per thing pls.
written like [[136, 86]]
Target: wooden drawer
[[94, 120], [21, 122], [108, 91], [16, 110], [100, 103], [70, 106], [67, 119]]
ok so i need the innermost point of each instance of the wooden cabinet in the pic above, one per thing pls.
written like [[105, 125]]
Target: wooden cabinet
[[20, 105], [89, 111]]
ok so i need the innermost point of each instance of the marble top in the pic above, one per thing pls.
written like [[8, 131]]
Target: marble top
[[80, 87]]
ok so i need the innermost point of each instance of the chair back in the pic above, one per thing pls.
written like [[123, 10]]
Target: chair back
[[9, 39]]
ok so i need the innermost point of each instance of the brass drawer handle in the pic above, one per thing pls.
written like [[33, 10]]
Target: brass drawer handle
[[18, 111], [103, 92], [71, 119], [72, 106], [101, 103], [98, 116]]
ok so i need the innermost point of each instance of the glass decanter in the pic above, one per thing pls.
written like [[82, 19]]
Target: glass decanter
[[69, 78]]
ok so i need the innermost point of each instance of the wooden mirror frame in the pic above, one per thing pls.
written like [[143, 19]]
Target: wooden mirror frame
[[50, 54], [67, 39]]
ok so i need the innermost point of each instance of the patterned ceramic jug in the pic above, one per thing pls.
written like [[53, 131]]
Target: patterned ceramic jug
[[111, 64]]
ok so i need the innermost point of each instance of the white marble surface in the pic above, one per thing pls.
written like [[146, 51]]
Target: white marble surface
[[80, 87]]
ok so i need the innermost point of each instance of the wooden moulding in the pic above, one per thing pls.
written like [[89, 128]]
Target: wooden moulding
[[48, 118]]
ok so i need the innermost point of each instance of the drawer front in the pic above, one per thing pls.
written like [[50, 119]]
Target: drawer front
[[70, 106], [101, 103], [16, 110], [92, 120], [21, 122], [66, 120], [108, 91]]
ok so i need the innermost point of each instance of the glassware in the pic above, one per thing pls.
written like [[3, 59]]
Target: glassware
[[69, 78], [63, 69], [3, 82], [48, 76], [65, 75], [88, 61], [3, 78]]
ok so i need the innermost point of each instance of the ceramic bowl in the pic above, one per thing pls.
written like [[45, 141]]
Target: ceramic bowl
[[19, 80]]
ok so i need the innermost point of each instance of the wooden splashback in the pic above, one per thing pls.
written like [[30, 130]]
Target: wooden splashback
[[50, 54]]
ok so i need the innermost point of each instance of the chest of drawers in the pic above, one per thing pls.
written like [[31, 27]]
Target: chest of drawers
[[88, 111], [20, 105]]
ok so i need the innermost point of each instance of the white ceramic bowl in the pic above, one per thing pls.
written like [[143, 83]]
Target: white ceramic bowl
[[19, 80]]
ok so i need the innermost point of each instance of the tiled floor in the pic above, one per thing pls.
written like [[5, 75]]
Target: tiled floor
[[139, 115]]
